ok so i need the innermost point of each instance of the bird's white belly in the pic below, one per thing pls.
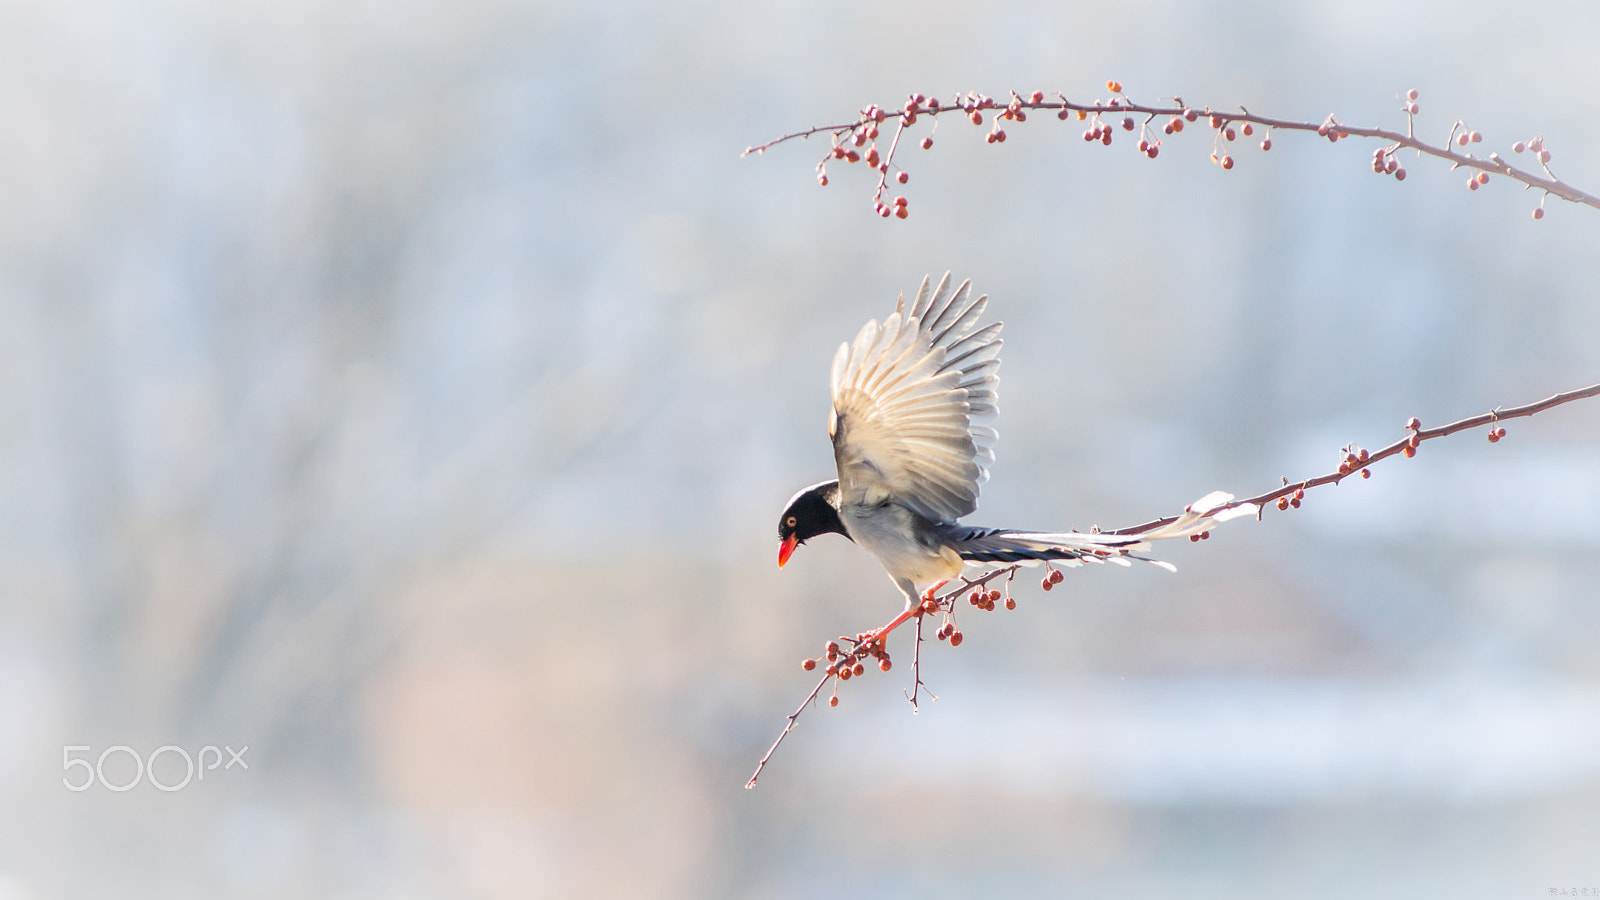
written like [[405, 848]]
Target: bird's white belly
[[888, 533]]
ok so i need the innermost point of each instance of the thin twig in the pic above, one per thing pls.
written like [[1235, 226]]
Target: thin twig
[[916, 669], [793, 718], [1397, 448], [1119, 105]]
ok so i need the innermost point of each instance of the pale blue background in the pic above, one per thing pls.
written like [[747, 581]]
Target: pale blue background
[[408, 391]]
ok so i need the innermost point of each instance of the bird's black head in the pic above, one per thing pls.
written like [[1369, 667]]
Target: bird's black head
[[811, 512]]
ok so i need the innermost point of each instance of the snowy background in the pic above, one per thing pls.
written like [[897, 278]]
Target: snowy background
[[408, 391]]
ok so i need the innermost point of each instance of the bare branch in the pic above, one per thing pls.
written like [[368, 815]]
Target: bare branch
[[1359, 460], [1104, 117]]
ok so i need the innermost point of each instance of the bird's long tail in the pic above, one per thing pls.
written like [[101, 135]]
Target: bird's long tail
[[1073, 548]]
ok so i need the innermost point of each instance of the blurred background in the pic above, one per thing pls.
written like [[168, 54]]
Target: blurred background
[[407, 392]]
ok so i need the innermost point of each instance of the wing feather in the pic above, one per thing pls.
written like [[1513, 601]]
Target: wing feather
[[912, 402]]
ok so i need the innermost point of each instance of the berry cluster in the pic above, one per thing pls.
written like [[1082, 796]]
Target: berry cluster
[[1414, 439], [844, 663], [1355, 458]]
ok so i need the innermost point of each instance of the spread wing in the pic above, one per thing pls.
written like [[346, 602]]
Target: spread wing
[[912, 403]]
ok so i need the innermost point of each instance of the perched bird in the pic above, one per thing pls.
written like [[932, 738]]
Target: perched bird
[[913, 400]]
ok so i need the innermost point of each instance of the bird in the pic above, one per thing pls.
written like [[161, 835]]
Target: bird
[[914, 399]]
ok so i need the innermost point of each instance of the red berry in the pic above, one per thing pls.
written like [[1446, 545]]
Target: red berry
[[808, 664], [1413, 423], [1229, 134], [1266, 144], [872, 157], [1411, 94], [1475, 137], [1037, 97], [1483, 177], [1283, 502], [976, 117], [955, 639], [834, 700], [1248, 130], [1409, 451], [1056, 577], [1400, 174], [1461, 139], [1114, 87], [1227, 162], [901, 213], [1154, 149], [1127, 123], [1010, 603], [859, 669], [1518, 147], [1366, 473], [1000, 135], [1538, 213], [1190, 114], [1045, 584], [822, 179], [927, 143], [902, 177], [884, 665]]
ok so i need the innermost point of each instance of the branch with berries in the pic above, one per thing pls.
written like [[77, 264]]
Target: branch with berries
[[857, 141], [848, 657]]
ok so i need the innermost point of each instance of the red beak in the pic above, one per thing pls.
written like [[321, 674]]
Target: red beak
[[786, 549]]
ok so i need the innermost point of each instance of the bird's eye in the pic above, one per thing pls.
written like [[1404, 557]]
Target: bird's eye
[[791, 521]]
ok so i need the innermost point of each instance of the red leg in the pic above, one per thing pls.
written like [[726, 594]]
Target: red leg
[[911, 610], [880, 633]]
